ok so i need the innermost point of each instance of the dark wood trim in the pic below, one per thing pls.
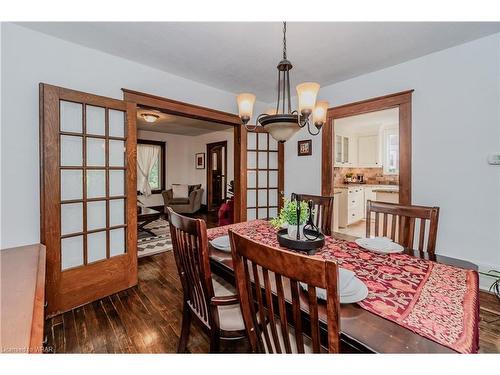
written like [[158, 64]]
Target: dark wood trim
[[208, 162], [163, 166], [198, 112], [401, 100], [180, 108]]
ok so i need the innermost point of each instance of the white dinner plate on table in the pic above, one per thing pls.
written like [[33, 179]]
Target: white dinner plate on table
[[222, 243], [351, 288], [380, 245]]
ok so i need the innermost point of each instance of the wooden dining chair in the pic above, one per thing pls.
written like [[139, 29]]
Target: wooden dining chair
[[210, 301], [399, 223], [323, 211], [267, 279]]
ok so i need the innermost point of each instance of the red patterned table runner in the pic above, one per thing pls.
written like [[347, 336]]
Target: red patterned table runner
[[434, 300]]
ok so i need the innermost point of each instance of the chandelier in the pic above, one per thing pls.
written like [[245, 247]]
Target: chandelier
[[282, 123]]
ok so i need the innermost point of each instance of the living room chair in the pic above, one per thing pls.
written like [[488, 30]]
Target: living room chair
[[187, 205], [208, 299]]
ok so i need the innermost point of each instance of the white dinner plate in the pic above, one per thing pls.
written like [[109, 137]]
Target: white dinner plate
[[222, 243], [380, 245], [352, 289]]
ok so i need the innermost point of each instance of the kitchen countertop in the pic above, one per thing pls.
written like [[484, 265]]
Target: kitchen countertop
[[392, 191], [385, 186]]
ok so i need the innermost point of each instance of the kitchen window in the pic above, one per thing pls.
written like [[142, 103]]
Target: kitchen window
[[391, 151]]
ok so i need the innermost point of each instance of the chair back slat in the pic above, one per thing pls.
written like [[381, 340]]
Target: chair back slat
[[297, 318], [404, 221], [270, 313], [313, 313], [190, 247], [282, 313], [275, 281], [421, 237], [323, 208]]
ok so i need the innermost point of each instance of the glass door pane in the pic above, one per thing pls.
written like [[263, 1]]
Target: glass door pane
[[262, 176], [94, 172]]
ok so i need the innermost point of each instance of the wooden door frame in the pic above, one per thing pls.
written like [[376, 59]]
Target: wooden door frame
[[201, 113], [401, 100], [209, 171]]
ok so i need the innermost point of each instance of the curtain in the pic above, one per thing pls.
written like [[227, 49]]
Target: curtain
[[146, 158]]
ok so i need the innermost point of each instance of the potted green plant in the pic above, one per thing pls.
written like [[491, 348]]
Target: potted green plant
[[287, 218]]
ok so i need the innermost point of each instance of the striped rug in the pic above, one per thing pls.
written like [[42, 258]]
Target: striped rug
[[148, 245]]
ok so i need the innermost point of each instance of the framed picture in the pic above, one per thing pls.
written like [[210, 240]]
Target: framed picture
[[304, 148], [200, 160]]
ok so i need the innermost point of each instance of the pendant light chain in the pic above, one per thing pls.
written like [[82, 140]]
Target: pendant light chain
[[284, 40]]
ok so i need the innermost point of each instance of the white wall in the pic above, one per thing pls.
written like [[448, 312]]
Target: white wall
[[28, 58], [180, 159], [456, 123]]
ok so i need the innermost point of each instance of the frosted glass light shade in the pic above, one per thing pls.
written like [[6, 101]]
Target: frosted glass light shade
[[307, 93], [282, 131], [245, 105], [319, 113]]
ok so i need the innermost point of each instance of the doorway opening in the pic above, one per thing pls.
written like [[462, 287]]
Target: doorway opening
[[216, 174], [367, 156]]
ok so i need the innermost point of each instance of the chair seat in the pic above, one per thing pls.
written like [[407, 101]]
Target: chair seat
[[179, 201], [291, 334], [230, 318]]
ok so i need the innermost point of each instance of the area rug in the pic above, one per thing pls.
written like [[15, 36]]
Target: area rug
[[149, 245]]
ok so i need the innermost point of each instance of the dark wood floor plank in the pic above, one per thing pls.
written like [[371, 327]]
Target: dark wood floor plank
[[70, 334], [97, 336], [59, 336], [82, 332], [131, 325], [116, 324]]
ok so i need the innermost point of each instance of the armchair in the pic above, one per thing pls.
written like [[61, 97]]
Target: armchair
[[188, 205]]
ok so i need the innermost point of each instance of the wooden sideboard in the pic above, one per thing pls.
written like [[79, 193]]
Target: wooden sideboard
[[22, 282]]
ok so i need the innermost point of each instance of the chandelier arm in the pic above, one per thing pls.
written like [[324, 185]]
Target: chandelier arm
[[309, 129]]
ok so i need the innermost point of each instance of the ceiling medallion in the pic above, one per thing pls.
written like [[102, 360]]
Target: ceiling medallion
[[282, 123]]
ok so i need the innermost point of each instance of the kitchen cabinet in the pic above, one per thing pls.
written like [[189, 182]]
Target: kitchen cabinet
[[351, 201], [369, 195], [344, 155], [368, 151]]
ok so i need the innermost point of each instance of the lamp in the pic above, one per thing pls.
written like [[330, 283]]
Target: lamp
[[282, 123], [150, 117]]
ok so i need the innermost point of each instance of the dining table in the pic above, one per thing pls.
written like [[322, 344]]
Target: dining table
[[417, 302]]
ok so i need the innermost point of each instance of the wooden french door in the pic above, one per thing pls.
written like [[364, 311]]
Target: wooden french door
[[264, 167], [88, 196]]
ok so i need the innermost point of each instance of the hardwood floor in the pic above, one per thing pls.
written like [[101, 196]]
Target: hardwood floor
[[147, 319]]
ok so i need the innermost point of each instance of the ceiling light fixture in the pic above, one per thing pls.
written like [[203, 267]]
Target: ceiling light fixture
[[149, 117], [280, 124]]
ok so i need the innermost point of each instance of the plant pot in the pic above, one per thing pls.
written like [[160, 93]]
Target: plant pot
[[292, 231]]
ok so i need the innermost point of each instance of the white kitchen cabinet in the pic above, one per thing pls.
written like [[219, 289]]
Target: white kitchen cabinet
[[368, 151], [343, 151], [355, 201], [369, 195]]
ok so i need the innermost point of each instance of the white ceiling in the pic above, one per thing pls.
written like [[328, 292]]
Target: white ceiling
[[172, 124], [368, 123], [242, 56]]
